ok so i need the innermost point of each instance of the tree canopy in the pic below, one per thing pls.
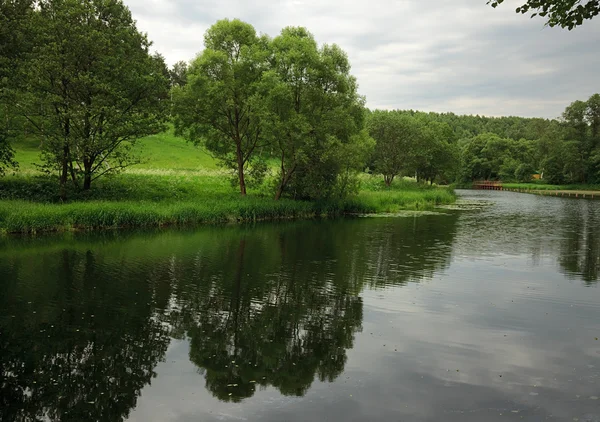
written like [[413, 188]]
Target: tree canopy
[[564, 13], [83, 81], [221, 106]]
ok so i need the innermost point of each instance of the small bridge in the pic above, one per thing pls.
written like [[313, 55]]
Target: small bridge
[[488, 184]]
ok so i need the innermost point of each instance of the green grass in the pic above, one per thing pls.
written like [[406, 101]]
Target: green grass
[[178, 184], [160, 153], [544, 186]]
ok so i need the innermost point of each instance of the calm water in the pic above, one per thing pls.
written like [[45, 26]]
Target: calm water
[[485, 314]]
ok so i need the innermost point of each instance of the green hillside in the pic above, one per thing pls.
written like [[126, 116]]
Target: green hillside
[[161, 152]]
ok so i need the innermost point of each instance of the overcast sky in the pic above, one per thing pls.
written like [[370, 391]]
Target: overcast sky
[[434, 55]]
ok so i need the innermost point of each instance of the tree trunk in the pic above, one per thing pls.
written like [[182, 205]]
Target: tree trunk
[[64, 172], [87, 181], [65, 161], [279, 192], [240, 161], [87, 174], [285, 178]]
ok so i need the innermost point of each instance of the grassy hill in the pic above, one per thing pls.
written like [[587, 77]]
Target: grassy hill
[[161, 152]]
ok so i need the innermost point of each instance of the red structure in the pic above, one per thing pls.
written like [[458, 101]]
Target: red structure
[[488, 184]]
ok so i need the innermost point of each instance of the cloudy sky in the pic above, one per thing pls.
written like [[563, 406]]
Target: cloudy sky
[[434, 55]]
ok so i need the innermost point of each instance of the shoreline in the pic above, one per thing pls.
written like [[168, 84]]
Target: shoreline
[[19, 217]]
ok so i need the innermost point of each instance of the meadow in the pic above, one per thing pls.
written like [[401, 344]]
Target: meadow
[[177, 183]]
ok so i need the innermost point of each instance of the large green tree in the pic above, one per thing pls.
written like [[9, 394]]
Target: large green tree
[[315, 116], [92, 88], [15, 42], [394, 134], [564, 13], [433, 154], [221, 105]]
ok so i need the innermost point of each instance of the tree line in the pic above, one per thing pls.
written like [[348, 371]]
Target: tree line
[[446, 147], [80, 77]]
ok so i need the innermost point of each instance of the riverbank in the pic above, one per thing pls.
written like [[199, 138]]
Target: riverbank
[[584, 194], [548, 187], [28, 203]]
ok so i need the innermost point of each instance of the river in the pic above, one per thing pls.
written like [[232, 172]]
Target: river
[[487, 312]]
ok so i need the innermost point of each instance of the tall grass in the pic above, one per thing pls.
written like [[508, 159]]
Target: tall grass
[[155, 201], [178, 184]]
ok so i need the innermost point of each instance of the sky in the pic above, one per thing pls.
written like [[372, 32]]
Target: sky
[[458, 56]]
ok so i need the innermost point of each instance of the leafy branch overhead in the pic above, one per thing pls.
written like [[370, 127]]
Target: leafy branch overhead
[[564, 13]]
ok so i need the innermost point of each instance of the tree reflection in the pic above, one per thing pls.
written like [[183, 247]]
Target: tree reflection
[[75, 343], [83, 324], [294, 328], [282, 309], [580, 247]]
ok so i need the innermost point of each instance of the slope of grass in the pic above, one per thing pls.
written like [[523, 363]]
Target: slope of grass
[[160, 152]]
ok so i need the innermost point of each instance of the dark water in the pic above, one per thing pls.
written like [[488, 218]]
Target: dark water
[[485, 314]]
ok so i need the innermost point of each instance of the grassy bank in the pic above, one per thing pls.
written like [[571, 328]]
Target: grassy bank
[[153, 201], [179, 184], [544, 186]]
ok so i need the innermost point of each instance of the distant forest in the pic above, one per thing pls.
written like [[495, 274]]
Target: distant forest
[[446, 147]]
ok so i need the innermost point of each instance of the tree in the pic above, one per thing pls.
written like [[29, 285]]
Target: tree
[[484, 155], [315, 115], [15, 42], [593, 117], [433, 154], [178, 74], [92, 88], [564, 13], [221, 106], [394, 135]]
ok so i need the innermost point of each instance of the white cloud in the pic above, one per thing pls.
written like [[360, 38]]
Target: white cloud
[[437, 55]]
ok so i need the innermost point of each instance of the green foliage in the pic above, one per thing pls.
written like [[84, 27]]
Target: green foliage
[[7, 155], [395, 134], [178, 74], [221, 107], [314, 115], [565, 151], [15, 16], [91, 87], [410, 143], [564, 13], [523, 172]]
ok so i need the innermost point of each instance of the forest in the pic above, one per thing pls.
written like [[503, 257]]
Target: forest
[[446, 148]]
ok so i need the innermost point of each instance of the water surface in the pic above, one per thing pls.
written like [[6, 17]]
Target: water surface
[[487, 313]]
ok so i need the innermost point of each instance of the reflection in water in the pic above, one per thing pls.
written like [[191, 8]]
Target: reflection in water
[[280, 332], [580, 247], [84, 322], [76, 342], [122, 326], [565, 229]]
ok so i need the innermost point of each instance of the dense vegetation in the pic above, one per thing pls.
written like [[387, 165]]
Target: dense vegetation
[[280, 118], [512, 149]]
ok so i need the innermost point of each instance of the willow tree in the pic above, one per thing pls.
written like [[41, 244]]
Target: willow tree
[[92, 88], [315, 116], [221, 106]]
